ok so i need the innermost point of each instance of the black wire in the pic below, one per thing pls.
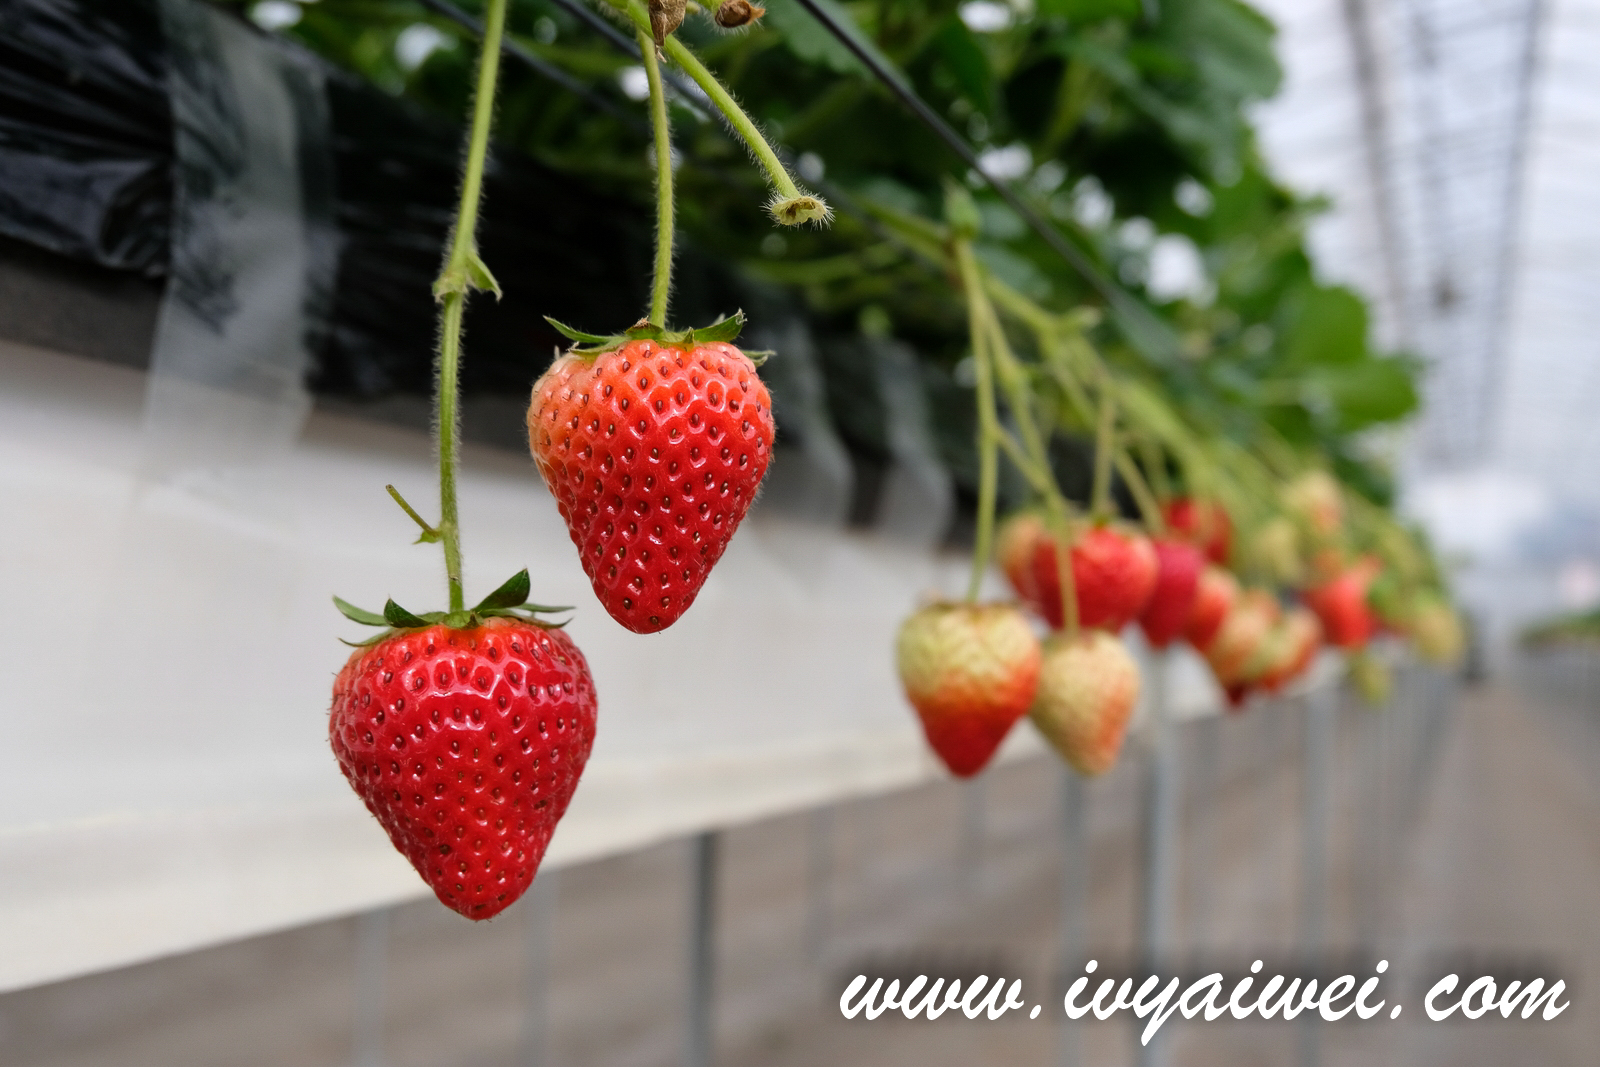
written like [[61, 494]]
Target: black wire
[[1143, 327], [548, 70]]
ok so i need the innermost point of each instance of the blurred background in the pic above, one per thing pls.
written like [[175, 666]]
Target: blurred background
[[1359, 224]]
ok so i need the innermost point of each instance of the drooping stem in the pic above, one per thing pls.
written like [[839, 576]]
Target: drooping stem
[[1149, 509], [659, 123], [789, 205], [1100, 500], [1034, 457], [463, 271], [988, 421], [1156, 463]]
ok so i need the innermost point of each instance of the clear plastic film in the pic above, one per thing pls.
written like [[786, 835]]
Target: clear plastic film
[[253, 256]]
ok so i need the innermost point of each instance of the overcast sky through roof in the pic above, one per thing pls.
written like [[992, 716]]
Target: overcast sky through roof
[[1459, 141]]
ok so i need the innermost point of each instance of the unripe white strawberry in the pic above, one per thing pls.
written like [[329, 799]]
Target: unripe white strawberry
[[1088, 687]]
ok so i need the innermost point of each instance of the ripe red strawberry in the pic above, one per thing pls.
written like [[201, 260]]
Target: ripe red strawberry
[[1341, 605], [467, 744], [1233, 652], [970, 670], [1213, 599], [1177, 581], [1203, 523], [1113, 571], [1019, 535], [654, 453], [1088, 687]]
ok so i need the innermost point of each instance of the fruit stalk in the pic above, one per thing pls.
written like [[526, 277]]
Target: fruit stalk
[[1100, 500], [789, 206], [988, 424], [463, 271], [662, 128], [1035, 461]]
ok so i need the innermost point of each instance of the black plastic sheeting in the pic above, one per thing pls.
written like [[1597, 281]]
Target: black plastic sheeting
[[86, 171], [85, 131]]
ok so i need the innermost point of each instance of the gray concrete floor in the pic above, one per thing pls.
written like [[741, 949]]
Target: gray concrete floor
[[1477, 844]]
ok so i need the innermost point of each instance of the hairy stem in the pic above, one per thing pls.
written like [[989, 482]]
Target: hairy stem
[[462, 270], [662, 288], [1148, 507], [1100, 500], [1035, 462], [988, 421]]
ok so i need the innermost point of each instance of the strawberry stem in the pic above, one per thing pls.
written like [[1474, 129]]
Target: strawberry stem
[[789, 205], [988, 421], [1149, 509], [1100, 500], [463, 271], [1032, 457], [662, 127]]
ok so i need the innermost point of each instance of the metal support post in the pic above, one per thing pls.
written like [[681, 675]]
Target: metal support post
[[1315, 812], [703, 849], [372, 961], [538, 918], [1074, 900], [1158, 907]]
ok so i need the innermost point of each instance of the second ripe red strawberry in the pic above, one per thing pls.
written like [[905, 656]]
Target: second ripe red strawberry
[[1114, 574], [654, 453]]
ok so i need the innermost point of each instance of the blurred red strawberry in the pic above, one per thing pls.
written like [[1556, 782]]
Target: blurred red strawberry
[[1341, 604], [1178, 568], [1019, 535], [1213, 599], [1202, 523], [1113, 571]]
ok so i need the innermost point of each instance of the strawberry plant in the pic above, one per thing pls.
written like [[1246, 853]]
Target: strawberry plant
[[465, 731]]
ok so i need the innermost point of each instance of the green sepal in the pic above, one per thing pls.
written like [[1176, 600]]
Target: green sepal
[[369, 642], [401, 619], [758, 356], [460, 620], [727, 329], [361, 615], [723, 330], [577, 335], [511, 594], [428, 537]]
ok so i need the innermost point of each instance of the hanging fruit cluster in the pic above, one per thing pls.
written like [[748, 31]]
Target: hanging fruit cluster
[[466, 731], [1313, 569]]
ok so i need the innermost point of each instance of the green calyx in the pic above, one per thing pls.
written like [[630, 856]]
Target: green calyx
[[510, 601], [593, 344]]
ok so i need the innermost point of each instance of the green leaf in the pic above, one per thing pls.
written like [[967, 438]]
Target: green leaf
[[1092, 10], [400, 618], [361, 615], [513, 593], [1330, 329], [577, 335], [1371, 392], [809, 39], [965, 61], [722, 330]]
